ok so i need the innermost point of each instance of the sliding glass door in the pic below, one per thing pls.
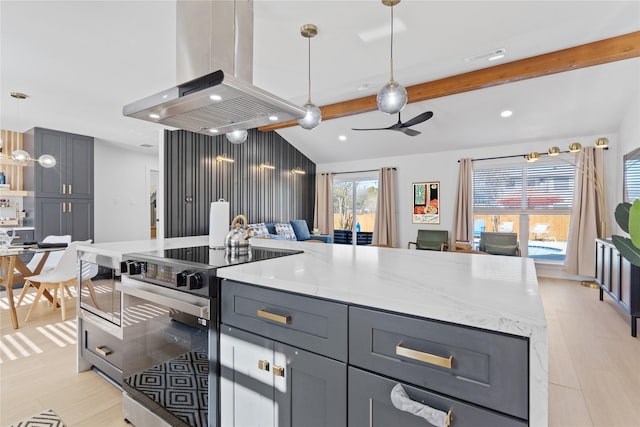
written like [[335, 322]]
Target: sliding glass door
[[354, 207]]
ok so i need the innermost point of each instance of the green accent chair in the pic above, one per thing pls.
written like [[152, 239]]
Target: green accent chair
[[431, 240], [499, 243]]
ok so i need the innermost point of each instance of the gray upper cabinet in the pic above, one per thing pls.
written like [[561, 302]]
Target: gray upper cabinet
[[72, 177]]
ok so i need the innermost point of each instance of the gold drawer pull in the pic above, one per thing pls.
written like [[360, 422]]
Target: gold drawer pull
[[447, 421], [431, 359], [263, 365], [278, 371], [275, 317], [104, 350]]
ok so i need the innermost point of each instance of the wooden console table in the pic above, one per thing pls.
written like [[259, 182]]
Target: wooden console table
[[620, 279]]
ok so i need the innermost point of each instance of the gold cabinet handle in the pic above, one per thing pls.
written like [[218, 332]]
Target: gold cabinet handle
[[103, 350], [263, 365], [420, 356], [447, 421], [70, 192], [275, 317], [64, 188], [64, 207], [69, 207], [278, 371]]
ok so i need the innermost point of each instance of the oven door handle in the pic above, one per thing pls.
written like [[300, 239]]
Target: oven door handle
[[187, 303]]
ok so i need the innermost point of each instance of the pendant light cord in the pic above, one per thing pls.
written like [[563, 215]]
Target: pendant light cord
[[391, 61], [309, 50]]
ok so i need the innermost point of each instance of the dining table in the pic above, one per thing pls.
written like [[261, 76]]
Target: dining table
[[11, 261]]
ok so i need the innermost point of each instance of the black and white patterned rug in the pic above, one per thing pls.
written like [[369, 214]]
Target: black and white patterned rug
[[179, 385], [43, 419]]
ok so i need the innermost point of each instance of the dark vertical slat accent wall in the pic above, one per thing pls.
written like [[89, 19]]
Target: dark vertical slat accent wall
[[194, 179]]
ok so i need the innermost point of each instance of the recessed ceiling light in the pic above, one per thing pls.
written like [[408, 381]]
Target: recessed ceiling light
[[215, 97], [506, 113], [363, 86], [18, 95], [342, 137], [154, 116], [213, 130], [273, 118], [146, 145]]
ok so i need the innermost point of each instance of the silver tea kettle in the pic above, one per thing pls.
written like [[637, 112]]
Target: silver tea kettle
[[237, 241]]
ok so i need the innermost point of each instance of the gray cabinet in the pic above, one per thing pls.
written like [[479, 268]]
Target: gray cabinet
[[63, 195], [72, 177], [267, 383], [620, 279], [55, 216]]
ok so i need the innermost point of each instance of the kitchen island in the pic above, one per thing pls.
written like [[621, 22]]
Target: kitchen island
[[480, 297]]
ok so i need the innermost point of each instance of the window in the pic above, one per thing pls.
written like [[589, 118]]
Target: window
[[354, 207], [533, 200], [631, 176]]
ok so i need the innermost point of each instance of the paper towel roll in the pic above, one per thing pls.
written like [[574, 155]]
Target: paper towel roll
[[218, 223]]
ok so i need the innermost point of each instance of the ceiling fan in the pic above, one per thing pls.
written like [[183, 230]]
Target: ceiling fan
[[404, 127]]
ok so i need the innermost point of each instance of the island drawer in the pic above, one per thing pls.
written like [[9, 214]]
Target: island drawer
[[478, 366], [370, 405], [99, 346], [312, 324]]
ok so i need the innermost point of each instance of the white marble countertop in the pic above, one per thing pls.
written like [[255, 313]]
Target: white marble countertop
[[494, 293], [115, 250]]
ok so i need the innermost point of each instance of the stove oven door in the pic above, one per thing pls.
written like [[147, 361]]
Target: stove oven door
[[166, 363]]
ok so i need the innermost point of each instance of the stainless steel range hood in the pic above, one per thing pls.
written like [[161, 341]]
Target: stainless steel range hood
[[215, 62]]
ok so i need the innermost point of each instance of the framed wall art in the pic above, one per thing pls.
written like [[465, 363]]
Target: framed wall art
[[426, 205]]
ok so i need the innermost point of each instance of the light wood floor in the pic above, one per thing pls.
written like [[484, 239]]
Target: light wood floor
[[594, 366]]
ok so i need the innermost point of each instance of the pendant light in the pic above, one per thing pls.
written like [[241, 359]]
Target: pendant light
[[313, 115], [237, 136], [392, 97]]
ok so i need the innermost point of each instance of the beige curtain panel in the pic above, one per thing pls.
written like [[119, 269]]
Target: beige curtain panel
[[589, 213], [385, 226], [462, 230], [323, 210]]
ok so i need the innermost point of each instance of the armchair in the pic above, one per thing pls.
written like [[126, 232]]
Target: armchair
[[496, 243], [431, 240]]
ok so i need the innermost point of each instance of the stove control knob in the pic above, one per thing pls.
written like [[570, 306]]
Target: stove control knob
[[182, 278], [134, 267], [195, 281]]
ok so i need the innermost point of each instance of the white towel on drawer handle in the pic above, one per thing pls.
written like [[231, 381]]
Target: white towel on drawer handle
[[403, 402]]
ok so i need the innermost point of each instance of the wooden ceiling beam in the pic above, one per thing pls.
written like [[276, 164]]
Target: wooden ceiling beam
[[613, 49]]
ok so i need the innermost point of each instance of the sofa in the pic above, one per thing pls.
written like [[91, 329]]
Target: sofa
[[296, 229]]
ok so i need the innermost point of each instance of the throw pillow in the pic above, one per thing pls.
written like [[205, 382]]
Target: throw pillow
[[301, 229], [286, 231], [258, 229]]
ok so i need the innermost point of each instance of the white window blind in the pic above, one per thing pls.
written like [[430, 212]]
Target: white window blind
[[530, 188], [632, 177]]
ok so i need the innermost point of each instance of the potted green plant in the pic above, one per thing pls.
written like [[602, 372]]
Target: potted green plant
[[628, 218]]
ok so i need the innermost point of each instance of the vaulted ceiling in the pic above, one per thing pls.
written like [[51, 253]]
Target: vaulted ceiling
[[80, 62]]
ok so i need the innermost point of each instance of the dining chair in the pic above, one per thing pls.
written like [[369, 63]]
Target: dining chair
[[50, 263], [496, 243], [431, 240], [63, 275]]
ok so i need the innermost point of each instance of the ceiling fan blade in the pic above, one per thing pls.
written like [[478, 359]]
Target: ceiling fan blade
[[371, 129], [410, 132], [418, 119]]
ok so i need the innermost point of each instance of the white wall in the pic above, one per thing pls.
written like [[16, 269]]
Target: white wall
[[121, 199], [443, 167]]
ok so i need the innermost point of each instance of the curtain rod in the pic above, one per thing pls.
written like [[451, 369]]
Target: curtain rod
[[519, 155], [370, 170]]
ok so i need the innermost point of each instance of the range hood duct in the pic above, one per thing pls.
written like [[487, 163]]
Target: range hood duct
[[214, 69]]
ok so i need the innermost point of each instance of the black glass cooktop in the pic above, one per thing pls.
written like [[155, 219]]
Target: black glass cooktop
[[203, 256]]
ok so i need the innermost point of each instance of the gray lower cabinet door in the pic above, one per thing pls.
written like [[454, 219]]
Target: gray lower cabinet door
[[266, 383], [64, 216], [312, 391], [246, 381], [49, 218], [370, 405]]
